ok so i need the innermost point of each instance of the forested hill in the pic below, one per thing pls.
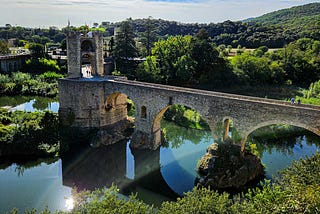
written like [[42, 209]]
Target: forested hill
[[274, 29], [299, 14], [302, 21]]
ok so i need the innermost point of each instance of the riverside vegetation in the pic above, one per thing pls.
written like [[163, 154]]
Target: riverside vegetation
[[202, 61]]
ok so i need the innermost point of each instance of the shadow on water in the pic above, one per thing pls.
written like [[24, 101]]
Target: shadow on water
[[90, 168]]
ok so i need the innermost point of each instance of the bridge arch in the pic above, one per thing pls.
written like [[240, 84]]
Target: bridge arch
[[115, 108], [156, 126], [277, 122], [87, 46]]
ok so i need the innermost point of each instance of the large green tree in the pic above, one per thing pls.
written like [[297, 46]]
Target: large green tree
[[173, 55], [149, 36], [125, 48]]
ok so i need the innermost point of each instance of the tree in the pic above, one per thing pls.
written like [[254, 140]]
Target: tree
[[125, 47], [4, 47], [148, 37], [149, 70], [37, 50], [210, 68], [174, 59]]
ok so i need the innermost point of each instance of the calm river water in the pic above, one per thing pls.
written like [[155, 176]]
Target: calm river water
[[157, 175]]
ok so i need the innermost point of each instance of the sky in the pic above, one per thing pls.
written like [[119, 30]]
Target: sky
[[46, 13]]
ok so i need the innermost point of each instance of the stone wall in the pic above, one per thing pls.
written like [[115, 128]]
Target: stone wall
[[90, 100]]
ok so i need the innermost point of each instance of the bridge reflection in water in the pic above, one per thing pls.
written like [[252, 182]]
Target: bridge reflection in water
[[90, 168]]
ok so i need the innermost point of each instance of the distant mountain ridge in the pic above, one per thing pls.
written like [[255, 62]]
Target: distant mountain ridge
[[285, 16], [274, 29]]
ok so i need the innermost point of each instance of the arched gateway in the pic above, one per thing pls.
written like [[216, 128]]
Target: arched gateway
[[101, 103]]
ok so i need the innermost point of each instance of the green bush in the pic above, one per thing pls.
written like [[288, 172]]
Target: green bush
[[25, 84]]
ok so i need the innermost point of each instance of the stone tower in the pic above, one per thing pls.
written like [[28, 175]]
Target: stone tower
[[85, 47]]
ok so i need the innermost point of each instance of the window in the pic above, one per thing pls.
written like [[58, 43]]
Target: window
[[143, 112]]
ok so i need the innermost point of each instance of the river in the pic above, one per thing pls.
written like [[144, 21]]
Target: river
[[157, 176]]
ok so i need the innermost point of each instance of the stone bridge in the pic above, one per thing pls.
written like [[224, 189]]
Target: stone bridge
[[101, 102]]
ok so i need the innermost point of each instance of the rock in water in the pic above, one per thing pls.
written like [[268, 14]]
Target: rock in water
[[225, 166]]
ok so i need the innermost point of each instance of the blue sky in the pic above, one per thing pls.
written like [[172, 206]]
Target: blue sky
[[45, 13]]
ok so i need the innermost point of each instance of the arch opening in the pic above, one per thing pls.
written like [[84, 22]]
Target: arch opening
[[87, 68], [182, 146], [181, 116], [87, 46], [277, 145], [117, 107], [282, 137], [87, 59]]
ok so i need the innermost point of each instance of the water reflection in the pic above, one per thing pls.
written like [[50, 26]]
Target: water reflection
[[156, 176], [29, 103], [37, 187], [279, 151], [91, 168]]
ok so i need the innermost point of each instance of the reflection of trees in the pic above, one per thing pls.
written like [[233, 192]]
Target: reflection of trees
[[23, 165], [13, 100], [41, 103], [178, 135], [281, 138]]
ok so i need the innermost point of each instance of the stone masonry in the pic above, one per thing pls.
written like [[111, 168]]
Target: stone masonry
[[101, 102]]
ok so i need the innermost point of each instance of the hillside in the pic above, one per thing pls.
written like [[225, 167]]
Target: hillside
[[298, 14], [274, 29], [303, 21]]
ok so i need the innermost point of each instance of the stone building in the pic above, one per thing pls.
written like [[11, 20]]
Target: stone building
[[12, 63]]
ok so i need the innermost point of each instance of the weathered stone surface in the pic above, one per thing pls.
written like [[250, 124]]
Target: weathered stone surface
[[113, 134], [100, 102], [225, 166]]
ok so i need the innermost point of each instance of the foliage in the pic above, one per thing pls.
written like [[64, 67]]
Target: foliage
[[33, 35], [41, 65], [314, 90], [297, 63], [149, 70], [125, 47], [148, 37], [4, 48], [50, 76], [25, 84], [108, 201], [37, 50], [185, 117], [25, 133], [186, 60], [131, 108], [200, 200]]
